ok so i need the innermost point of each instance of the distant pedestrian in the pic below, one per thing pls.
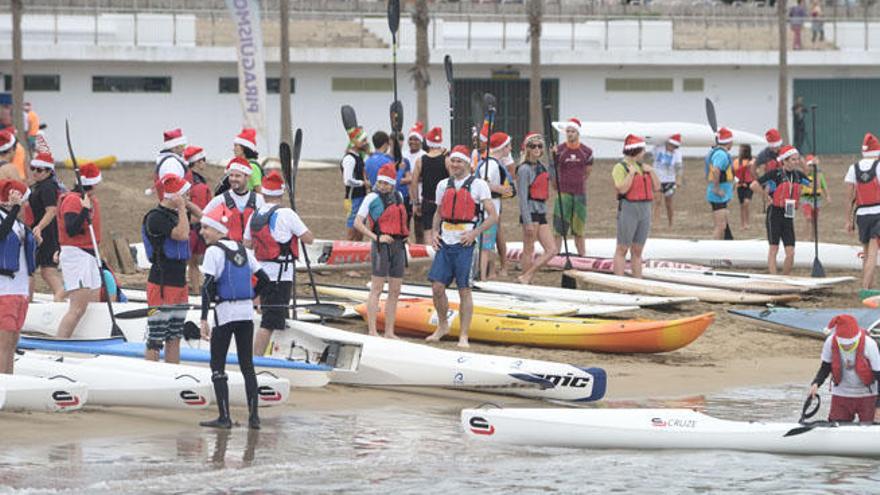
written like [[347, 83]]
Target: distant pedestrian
[[818, 24], [796, 16], [799, 122], [742, 172], [719, 174], [669, 169]]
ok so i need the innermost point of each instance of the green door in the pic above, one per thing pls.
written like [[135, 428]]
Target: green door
[[512, 114], [844, 112]]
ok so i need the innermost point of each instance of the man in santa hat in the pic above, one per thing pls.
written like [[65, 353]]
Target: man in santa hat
[[573, 163], [495, 174], [863, 188], [239, 198], [170, 159], [429, 170], [17, 247], [8, 147], [165, 233], [354, 178], [275, 233], [766, 159], [199, 197], [668, 166], [43, 203], [245, 146], [719, 174]]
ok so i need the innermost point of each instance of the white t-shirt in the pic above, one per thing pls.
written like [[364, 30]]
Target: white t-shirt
[[171, 163], [287, 224], [494, 178], [666, 164], [850, 383], [864, 165], [348, 178], [17, 285], [239, 200], [451, 233], [213, 264]]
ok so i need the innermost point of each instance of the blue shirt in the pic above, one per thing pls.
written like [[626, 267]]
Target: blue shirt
[[372, 165], [403, 189], [719, 162]]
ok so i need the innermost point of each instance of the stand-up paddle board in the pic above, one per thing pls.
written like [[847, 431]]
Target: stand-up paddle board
[[808, 322], [541, 292]]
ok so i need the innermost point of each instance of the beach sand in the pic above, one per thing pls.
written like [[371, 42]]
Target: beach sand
[[730, 353]]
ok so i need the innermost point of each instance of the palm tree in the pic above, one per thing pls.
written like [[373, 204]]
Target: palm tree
[[782, 109], [286, 127], [421, 76], [535, 14], [17, 76]]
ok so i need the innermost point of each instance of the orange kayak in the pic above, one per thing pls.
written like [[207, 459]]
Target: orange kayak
[[618, 336], [358, 252]]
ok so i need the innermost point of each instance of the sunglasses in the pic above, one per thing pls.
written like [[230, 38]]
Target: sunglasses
[[536, 146], [38, 169]]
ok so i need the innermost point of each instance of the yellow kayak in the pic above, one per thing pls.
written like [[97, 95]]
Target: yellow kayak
[[103, 162]]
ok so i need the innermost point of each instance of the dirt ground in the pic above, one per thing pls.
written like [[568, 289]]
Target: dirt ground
[[730, 353]]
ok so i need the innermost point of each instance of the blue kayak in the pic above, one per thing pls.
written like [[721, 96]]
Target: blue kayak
[[119, 347], [807, 321]]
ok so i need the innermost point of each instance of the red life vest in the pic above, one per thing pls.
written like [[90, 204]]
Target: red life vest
[[394, 220], [641, 189], [867, 187], [787, 189], [237, 222], [266, 248], [199, 193], [539, 189], [70, 203], [862, 366], [457, 205], [743, 172], [772, 165]]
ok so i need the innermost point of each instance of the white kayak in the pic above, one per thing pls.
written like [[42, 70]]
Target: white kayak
[[692, 135], [117, 387], [579, 296], [808, 283], [26, 393], [641, 429], [274, 391], [377, 361], [720, 280]]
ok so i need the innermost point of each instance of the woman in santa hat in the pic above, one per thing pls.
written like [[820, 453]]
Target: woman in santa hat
[[636, 185], [43, 204], [17, 264]]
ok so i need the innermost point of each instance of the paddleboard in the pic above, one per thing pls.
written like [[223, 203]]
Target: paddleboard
[[579, 296], [692, 135], [808, 322], [664, 429], [718, 280], [604, 265], [27, 393]]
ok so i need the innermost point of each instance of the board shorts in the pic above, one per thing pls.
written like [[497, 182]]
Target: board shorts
[[575, 207], [847, 408], [165, 324], [351, 208], [538, 218], [13, 310], [779, 228], [276, 295], [633, 222], [744, 193], [79, 269], [427, 218], [388, 260], [668, 188], [869, 227], [452, 262], [718, 206], [45, 255], [197, 243], [489, 238]]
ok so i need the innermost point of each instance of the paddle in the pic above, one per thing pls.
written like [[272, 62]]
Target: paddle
[[393, 26], [818, 269], [807, 413], [567, 282], [327, 310], [489, 102], [292, 169], [349, 117], [713, 123], [476, 118], [284, 156], [447, 65], [115, 331]]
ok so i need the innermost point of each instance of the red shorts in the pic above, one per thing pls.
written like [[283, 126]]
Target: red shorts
[[159, 296], [197, 245], [847, 408], [13, 310]]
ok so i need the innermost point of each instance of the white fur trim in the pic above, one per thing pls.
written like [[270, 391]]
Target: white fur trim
[[386, 179], [183, 190], [505, 143], [198, 156], [8, 146], [244, 142], [640, 144], [723, 141], [788, 153], [674, 142], [240, 168], [460, 156], [775, 144], [90, 181], [432, 144], [871, 153], [415, 134], [214, 224], [42, 164], [272, 192], [571, 124], [173, 143]]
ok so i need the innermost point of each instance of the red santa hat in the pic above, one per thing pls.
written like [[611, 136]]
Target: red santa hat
[[787, 151], [174, 186], [870, 146], [217, 219], [387, 174], [532, 136], [434, 137], [193, 154], [239, 164], [724, 136], [811, 159], [845, 326], [9, 185], [573, 123], [674, 140], [90, 174], [462, 153], [498, 140], [774, 139], [273, 184], [173, 139], [43, 160], [633, 142], [247, 138], [7, 141], [484, 132], [417, 131]]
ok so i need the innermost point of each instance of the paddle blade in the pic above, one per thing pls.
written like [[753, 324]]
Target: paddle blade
[[710, 115], [476, 109], [489, 103], [284, 157], [297, 147], [568, 282], [818, 269], [325, 310], [447, 64], [116, 331], [728, 235], [349, 117], [394, 17], [396, 113]]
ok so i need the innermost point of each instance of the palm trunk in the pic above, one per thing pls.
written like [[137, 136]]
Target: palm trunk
[[535, 18], [17, 75], [782, 117], [286, 126], [421, 76]]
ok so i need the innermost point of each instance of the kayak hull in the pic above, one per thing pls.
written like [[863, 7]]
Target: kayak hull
[[27, 393]]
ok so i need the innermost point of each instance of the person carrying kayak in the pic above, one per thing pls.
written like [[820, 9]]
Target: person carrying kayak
[[852, 359], [238, 199], [863, 188], [822, 194], [783, 186], [43, 204], [199, 196], [533, 180], [495, 174], [169, 160], [636, 184], [78, 210], [388, 230], [456, 228], [354, 178], [669, 169], [274, 233], [574, 161], [17, 264], [228, 268], [430, 169], [165, 233], [742, 172], [719, 173]]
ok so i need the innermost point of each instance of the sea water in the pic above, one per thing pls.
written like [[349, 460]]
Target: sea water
[[388, 449]]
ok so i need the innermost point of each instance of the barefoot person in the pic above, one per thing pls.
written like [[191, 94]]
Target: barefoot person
[[456, 230], [574, 161], [784, 188], [228, 269], [388, 231], [852, 359], [495, 174], [43, 203], [669, 169], [274, 232], [429, 170], [533, 183], [636, 185], [822, 195], [78, 210], [165, 233], [17, 263], [719, 174], [354, 178], [863, 186], [742, 172]]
